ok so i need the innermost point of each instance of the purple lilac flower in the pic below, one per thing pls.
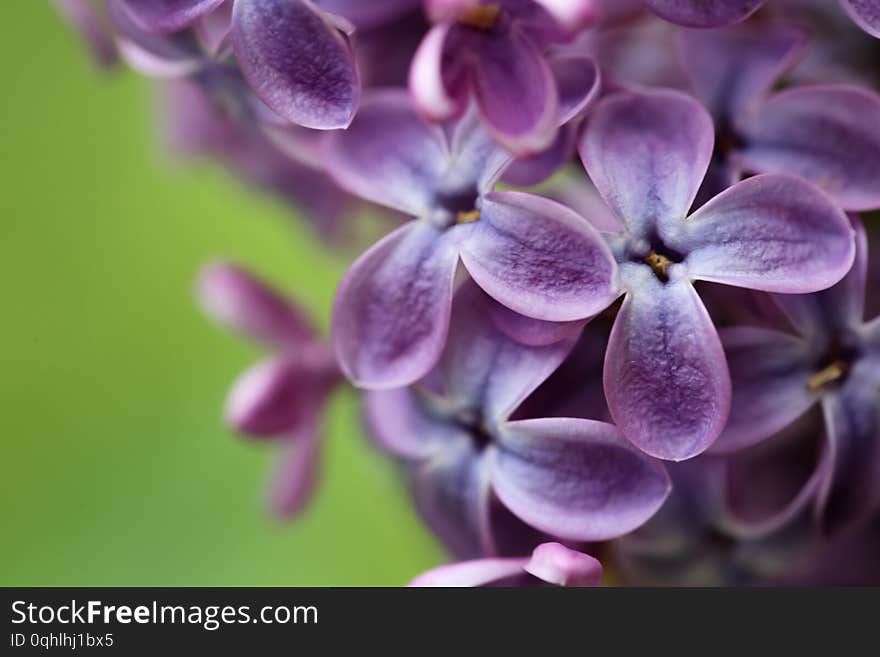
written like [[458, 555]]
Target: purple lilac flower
[[296, 57], [496, 52], [865, 13], [666, 380], [283, 396], [391, 311], [568, 478], [549, 563], [834, 361], [89, 19], [828, 134]]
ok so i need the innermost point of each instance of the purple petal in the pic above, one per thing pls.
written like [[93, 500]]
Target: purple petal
[[578, 82], [556, 564], [368, 14], [572, 15], [478, 572], [294, 480], [732, 68], [774, 233], [704, 13], [515, 91], [666, 379], [866, 14], [476, 155], [388, 155], [576, 479], [436, 77], [851, 493], [829, 135], [839, 309], [391, 312], [237, 299], [769, 371], [297, 61], [93, 27], [534, 169], [539, 258], [214, 29], [279, 394], [486, 371], [163, 16], [647, 154], [532, 332]]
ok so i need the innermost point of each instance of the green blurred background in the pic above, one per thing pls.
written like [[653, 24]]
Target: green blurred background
[[115, 466]]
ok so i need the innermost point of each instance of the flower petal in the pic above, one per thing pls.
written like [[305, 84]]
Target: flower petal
[[866, 13], [576, 479], [572, 15], [237, 299], [92, 26], [578, 81], [515, 91], [828, 134], [532, 332], [539, 258], [732, 68], [294, 480], [647, 154], [769, 371], [704, 13], [388, 155], [391, 312], [774, 232], [436, 77], [556, 564], [297, 61], [486, 371], [163, 16], [666, 379], [478, 572]]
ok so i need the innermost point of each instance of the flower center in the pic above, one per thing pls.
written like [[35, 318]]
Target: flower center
[[659, 263], [475, 427], [467, 217], [456, 206], [834, 372], [835, 366], [481, 17]]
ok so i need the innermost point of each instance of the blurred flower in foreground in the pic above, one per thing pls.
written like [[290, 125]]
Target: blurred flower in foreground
[[282, 397], [550, 563]]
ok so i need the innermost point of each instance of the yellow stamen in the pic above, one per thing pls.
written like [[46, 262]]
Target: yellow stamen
[[834, 372], [467, 217], [660, 264], [481, 17]]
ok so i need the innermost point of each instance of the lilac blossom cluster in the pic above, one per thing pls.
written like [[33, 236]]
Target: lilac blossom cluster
[[624, 307]]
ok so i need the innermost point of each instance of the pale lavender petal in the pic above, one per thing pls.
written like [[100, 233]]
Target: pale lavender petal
[[515, 91], [866, 13], [388, 155], [436, 77], [293, 482], [572, 15], [578, 81], [839, 309], [732, 68], [529, 331], [704, 13], [391, 312], [297, 61], [556, 564], [773, 232], [851, 493], [163, 16], [769, 371], [478, 572], [486, 371], [477, 157], [828, 134], [539, 258], [576, 479], [215, 28], [647, 154], [400, 422], [666, 379]]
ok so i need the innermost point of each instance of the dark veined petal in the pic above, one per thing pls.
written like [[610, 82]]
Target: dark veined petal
[[773, 232], [295, 476], [483, 369], [556, 564], [666, 379], [388, 155], [866, 13], [704, 13], [539, 258], [242, 302], [576, 479], [478, 572], [162, 16], [297, 61], [769, 371], [391, 312], [828, 134], [647, 154], [515, 90]]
